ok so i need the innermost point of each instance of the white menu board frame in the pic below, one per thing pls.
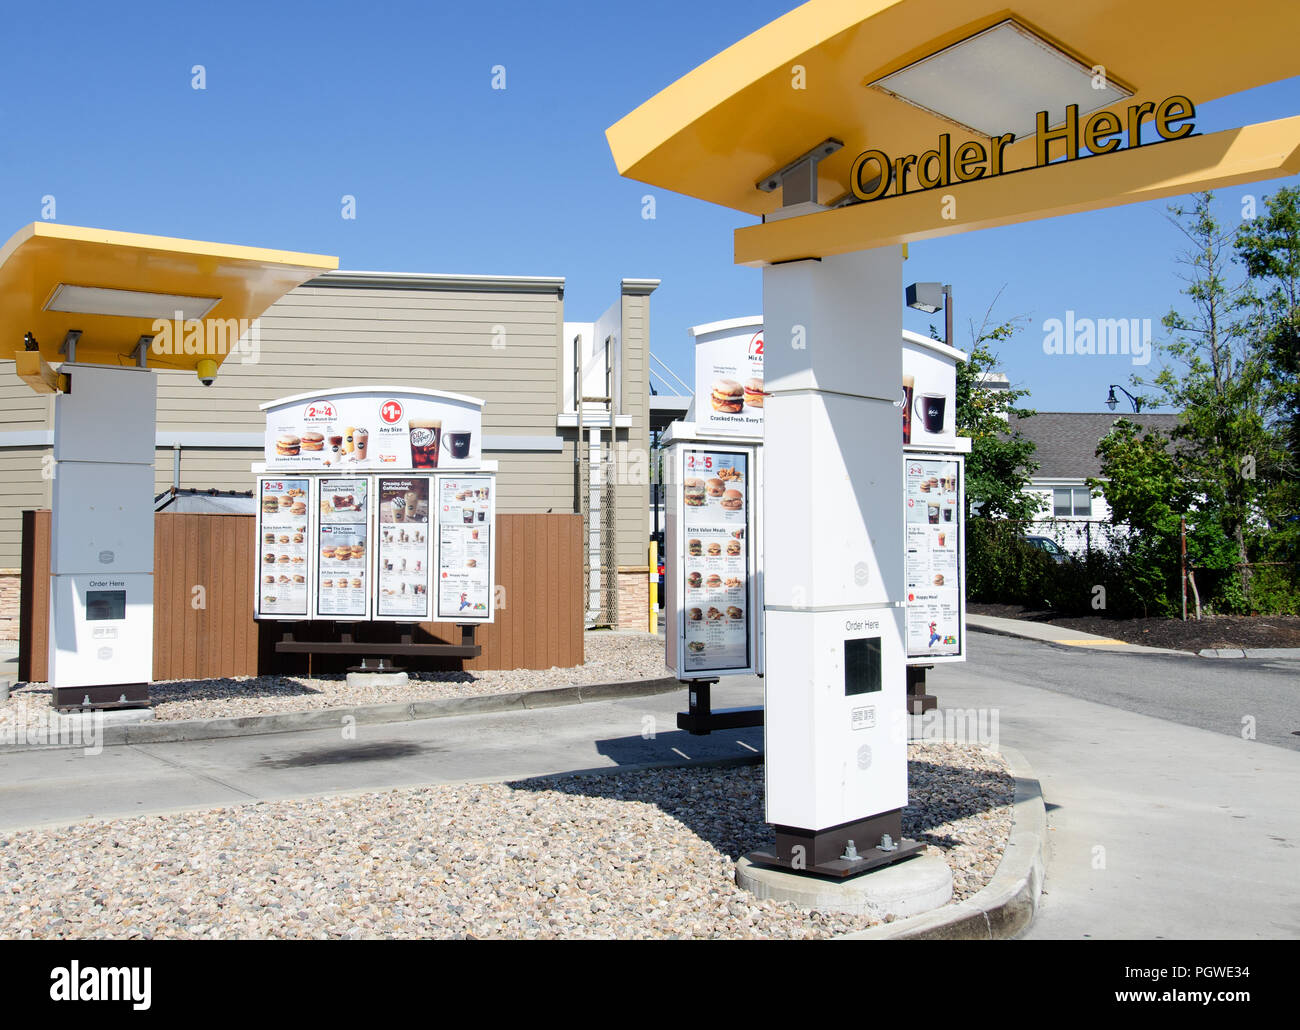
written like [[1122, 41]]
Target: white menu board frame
[[284, 524], [363, 430], [397, 541], [934, 610], [456, 541], [707, 523], [729, 391], [335, 524]]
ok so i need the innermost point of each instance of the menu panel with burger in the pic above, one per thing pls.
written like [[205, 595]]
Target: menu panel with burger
[[352, 431], [283, 544], [341, 549], [715, 556], [729, 371]]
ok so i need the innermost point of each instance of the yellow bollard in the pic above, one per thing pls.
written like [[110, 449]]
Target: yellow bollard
[[654, 587]]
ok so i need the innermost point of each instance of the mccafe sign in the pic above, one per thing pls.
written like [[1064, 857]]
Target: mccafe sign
[[875, 174]]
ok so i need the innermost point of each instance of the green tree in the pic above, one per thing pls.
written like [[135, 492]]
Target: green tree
[[1269, 247], [1217, 379], [1000, 462]]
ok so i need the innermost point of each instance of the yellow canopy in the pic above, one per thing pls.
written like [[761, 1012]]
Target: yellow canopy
[[808, 76], [111, 286]]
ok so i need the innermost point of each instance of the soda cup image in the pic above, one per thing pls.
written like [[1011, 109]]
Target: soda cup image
[[425, 437]]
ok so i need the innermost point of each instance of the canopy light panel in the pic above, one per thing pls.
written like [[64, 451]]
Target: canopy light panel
[[999, 79], [98, 300]]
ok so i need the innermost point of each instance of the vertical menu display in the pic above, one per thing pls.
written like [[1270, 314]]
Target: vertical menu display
[[403, 548], [715, 555], [342, 589], [465, 524], [932, 563], [284, 547]]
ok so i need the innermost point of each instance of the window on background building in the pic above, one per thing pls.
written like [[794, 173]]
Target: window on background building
[[1072, 500]]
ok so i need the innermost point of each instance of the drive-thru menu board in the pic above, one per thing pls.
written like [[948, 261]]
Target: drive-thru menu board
[[465, 521], [933, 561], [343, 584], [715, 557], [403, 549], [282, 532]]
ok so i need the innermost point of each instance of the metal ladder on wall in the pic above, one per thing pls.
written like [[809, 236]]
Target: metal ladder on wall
[[596, 481]]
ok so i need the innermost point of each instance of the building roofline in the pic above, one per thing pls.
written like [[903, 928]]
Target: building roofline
[[441, 281]]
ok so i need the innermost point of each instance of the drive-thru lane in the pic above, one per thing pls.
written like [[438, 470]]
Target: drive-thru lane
[[64, 785], [1163, 821]]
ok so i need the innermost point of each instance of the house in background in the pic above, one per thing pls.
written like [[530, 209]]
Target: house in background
[[1066, 451]]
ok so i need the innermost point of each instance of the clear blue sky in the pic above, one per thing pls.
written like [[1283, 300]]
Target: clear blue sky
[[392, 103]]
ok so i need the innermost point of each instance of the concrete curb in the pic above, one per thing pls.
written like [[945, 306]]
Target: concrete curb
[[1080, 644], [177, 730], [1285, 653], [1008, 903]]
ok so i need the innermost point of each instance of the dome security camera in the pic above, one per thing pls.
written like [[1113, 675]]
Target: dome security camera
[[206, 371]]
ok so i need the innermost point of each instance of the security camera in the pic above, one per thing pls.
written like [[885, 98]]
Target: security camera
[[207, 371]]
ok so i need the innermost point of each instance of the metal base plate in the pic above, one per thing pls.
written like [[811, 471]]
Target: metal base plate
[[111, 695], [842, 869]]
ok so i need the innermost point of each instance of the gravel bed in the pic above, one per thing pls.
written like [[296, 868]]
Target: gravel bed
[[647, 855], [609, 658]]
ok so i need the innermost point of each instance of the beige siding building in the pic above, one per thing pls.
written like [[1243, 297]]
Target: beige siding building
[[500, 338]]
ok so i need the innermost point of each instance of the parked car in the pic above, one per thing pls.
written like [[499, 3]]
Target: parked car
[[1046, 543]]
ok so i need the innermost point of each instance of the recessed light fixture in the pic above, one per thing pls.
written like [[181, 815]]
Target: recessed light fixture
[[996, 81], [99, 300]]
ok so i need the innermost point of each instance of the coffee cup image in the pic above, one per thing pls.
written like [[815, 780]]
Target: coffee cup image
[[930, 409], [457, 443]]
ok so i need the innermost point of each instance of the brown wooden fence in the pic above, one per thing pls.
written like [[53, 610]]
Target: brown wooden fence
[[539, 565]]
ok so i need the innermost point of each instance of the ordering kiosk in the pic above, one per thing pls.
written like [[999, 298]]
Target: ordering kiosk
[[101, 547], [98, 312], [375, 505], [934, 514], [840, 628]]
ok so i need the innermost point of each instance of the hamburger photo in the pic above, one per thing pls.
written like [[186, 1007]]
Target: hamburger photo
[[733, 547], [735, 613], [313, 442], [269, 538], [714, 581], [728, 396], [754, 393], [694, 579], [693, 489], [715, 548], [287, 446], [732, 500], [270, 505], [714, 487], [695, 614], [693, 547], [269, 559], [714, 615]]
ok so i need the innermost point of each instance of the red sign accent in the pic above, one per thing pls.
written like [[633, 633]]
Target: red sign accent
[[391, 411]]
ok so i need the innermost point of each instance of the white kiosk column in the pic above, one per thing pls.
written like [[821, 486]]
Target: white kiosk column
[[835, 685], [101, 548]]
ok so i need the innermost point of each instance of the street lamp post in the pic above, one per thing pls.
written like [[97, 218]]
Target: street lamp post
[[1111, 400], [931, 297]]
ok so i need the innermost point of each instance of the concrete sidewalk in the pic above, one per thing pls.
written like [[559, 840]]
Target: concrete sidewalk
[[1155, 829], [1046, 633]]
